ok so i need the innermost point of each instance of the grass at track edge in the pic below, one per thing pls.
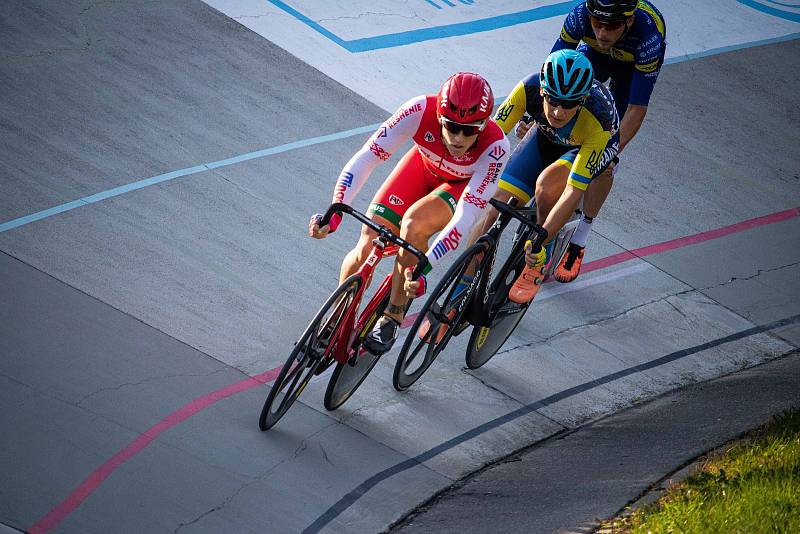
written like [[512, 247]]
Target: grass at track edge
[[751, 486]]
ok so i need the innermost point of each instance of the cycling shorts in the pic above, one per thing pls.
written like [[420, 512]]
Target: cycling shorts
[[410, 181], [535, 153]]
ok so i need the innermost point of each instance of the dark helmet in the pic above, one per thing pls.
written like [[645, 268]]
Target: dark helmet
[[611, 10], [465, 97]]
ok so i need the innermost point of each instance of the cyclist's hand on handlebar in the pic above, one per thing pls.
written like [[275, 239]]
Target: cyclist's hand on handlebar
[[318, 232], [314, 229], [534, 259], [414, 288]]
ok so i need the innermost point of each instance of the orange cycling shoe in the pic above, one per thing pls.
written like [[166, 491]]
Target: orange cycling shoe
[[527, 285], [570, 265]]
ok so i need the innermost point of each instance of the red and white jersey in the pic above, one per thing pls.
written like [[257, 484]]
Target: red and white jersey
[[481, 165]]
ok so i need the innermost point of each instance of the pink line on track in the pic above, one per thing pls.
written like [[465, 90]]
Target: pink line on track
[[98, 476], [681, 242]]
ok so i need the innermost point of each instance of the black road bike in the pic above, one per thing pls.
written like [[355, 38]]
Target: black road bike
[[484, 304]]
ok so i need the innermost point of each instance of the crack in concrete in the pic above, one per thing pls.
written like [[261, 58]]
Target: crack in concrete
[[239, 187], [598, 321], [753, 276], [654, 301], [369, 14], [143, 381], [506, 395], [217, 508], [303, 446]]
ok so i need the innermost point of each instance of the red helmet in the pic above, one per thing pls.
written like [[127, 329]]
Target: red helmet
[[466, 98]]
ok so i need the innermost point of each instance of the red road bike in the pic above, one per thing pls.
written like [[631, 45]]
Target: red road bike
[[336, 333]]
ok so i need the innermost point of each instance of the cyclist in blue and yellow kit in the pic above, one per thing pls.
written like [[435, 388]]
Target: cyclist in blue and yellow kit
[[625, 41], [574, 137]]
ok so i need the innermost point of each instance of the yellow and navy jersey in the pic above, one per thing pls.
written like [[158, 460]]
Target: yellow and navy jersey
[[594, 127], [642, 47]]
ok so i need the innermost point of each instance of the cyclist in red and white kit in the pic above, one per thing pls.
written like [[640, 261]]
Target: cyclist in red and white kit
[[442, 184]]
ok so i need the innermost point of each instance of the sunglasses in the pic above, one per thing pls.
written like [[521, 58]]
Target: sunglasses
[[608, 25], [566, 104], [456, 127]]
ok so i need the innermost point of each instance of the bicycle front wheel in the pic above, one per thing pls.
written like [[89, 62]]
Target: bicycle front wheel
[[486, 340], [437, 322], [348, 376], [312, 351]]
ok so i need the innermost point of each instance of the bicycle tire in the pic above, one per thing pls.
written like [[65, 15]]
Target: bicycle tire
[[485, 341], [347, 378], [305, 357], [434, 312]]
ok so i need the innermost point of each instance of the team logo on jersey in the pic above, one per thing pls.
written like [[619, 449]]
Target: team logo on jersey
[[379, 151], [472, 199], [592, 162], [504, 112], [403, 113], [429, 137], [344, 183], [394, 200], [448, 243], [497, 153]]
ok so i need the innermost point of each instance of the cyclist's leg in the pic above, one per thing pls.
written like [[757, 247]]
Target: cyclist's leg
[[426, 217], [397, 201], [388, 207], [595, 195], [531, 158]]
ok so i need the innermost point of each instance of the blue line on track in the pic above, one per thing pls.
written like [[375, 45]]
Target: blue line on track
[[732, 48], [68, 206], [788, 15], [97, 197], [391, 40]]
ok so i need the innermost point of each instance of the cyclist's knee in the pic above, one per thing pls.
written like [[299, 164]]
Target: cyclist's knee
[[606, 176], [363, 246], [415, 228]]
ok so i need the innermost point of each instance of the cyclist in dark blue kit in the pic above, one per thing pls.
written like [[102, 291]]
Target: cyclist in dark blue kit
[[625, 42]]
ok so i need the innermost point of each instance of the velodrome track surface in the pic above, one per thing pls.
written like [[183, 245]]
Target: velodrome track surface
[[132, 321]]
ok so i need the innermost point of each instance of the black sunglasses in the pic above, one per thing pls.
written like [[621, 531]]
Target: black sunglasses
[[566, 104], [456, 127]]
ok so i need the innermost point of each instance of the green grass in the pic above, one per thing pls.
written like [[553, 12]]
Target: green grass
[[752, 487]]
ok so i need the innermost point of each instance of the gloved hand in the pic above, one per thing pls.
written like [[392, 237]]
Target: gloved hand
[[414, 288], [317, 232], [534, 259]]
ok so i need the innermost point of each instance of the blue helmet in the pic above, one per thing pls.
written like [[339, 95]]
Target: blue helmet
[[567, 75]]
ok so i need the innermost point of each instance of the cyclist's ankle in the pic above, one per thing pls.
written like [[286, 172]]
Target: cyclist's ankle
[[395, 312]]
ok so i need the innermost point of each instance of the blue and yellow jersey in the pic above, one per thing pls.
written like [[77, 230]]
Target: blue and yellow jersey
[[642, 46], [591, 130]]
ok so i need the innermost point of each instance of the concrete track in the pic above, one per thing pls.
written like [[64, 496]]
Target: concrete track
[[132, 323]]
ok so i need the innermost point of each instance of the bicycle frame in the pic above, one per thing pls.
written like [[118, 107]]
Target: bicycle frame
[[480, 313], [350, 328], [387, 244]]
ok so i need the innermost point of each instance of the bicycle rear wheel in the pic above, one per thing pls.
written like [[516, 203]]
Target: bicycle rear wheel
[[348, 376], [442, 316], [311, 351]]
